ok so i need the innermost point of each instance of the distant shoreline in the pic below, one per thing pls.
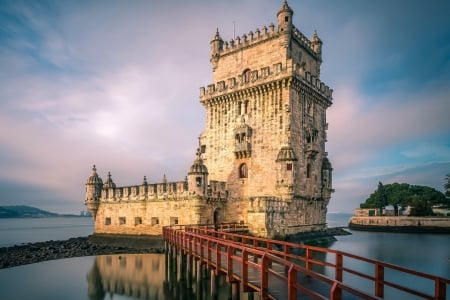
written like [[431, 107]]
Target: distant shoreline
[[439, 225], [43, 217]]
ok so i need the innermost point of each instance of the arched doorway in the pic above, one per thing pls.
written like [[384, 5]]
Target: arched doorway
[[216, 216]]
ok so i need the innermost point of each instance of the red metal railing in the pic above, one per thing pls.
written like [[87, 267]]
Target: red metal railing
[[242, 257]]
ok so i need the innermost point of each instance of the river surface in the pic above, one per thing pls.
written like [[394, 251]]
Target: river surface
[[145, 277]]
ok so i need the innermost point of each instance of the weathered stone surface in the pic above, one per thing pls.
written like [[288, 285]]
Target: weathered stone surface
[[261, 158]]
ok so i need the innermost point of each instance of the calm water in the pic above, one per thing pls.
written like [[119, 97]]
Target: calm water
[[29, 230], [145, 276]]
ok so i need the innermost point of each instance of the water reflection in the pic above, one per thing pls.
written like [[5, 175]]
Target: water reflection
[[133, 275], [156, 277]]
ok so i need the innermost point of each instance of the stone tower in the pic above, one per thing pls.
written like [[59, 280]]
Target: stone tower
[[266, 127]]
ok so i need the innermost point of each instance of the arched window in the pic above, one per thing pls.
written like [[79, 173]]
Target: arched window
[[246, 75], [246, 107], [308, 170], [243, 171]]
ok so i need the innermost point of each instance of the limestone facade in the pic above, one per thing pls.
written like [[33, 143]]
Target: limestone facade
[[261, 158]]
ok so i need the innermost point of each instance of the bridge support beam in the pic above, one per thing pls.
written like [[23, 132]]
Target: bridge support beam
[[213, 283], [235, 295], [189, 271], [198, 276]]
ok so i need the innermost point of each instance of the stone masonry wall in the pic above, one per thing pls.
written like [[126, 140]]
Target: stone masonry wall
[[148, 218]]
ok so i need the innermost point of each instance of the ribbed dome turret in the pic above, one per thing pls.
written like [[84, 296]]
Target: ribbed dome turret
[[94, 178], [198, 167], [109, 182], [285, 9], [286, 153]]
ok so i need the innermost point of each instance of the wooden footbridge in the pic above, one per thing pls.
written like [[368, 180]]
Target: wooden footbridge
[[282, 270]]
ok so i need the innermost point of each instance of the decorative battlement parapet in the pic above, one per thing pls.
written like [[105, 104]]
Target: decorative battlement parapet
[[265, 75], [266, 33], [302, 39], [145, 191]]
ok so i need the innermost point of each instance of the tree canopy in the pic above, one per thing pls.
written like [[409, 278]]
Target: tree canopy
[[447, 185], [401, 195]]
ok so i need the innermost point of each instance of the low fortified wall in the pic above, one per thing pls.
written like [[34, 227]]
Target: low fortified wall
[[401, 224]]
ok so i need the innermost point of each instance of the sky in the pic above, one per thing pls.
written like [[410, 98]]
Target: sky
[[116, 84]]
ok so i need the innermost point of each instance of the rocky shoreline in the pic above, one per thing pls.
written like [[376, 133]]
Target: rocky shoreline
[[98, 244], [76, 247]]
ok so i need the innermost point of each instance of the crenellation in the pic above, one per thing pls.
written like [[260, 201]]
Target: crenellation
[[262, 76]]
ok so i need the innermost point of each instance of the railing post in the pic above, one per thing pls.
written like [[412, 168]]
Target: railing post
[[440, 289], [218, 257], [309, 257], [379, 279], [264, 277], [244, 269], [208, 248], [339, 266], [335, 292], [229, 263], [292, 283]]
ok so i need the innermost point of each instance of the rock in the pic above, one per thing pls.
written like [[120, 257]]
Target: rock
[[73, 247]]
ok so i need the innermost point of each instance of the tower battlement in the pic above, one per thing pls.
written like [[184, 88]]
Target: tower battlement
[[261, 35], [263, 76]]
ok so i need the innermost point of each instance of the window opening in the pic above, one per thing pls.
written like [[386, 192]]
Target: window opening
[[243, 171], [137, 221]]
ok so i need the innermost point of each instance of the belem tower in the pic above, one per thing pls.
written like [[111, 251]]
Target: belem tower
[[261, 158]]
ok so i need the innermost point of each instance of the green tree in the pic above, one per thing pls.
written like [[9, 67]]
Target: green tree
[[421, 208], [400, 195], [447, 185], [381, 198]]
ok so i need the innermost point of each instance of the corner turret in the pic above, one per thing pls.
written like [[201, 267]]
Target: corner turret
[[286, 170], [216, 48], [316, 44], [198, 176], [94, 186], [284, 17], [109, 183], [327, 172]]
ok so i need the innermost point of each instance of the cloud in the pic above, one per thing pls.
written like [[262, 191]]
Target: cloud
[[116, 84]]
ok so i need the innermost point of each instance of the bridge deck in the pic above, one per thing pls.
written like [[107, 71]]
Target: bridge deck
[[281, 270]]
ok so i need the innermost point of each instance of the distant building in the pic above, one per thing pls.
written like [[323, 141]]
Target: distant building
[[261, 159]]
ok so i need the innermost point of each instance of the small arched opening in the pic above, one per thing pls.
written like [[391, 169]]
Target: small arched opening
[[216, 216]]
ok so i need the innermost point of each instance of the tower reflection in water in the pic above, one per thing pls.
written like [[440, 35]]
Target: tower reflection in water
[[152, 276]]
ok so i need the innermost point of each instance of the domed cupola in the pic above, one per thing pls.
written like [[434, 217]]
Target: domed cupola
[[198, 167], [94, 178], [198, 176], [286, 153], [109, 182]]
